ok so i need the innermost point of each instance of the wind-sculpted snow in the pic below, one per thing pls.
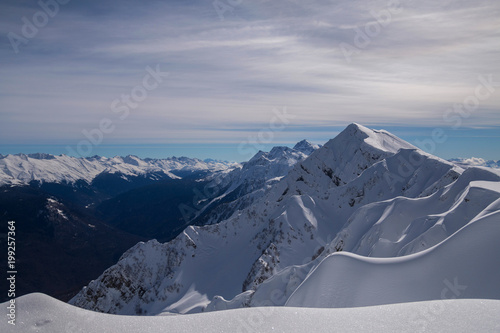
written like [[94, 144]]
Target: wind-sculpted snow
[[43, 314], [405, 225], [21, 169], [464, 266], [364, 192]]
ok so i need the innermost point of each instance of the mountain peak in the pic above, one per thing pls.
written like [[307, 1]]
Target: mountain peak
[[278, 151], [356, 126], [305, 147], [360, 131], [356, 135], [346, 156], [42, 156]]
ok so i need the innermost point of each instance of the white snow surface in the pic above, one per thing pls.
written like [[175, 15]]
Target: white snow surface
[[463, 266], [43, 314], [253, 179], [21, 168], [306, 147], [265, 166], [364, 193]]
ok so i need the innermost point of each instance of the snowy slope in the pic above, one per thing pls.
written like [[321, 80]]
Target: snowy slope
[[306, 147], [242, 186], [345, 157], [264, 166], [21, 168], [393, 227], [40, 313], [404, 225], [364, 191], [463, 266]]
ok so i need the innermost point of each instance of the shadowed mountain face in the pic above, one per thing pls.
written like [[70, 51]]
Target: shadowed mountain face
[[59, 247], [67, 235], [151, 211], [73, 222]]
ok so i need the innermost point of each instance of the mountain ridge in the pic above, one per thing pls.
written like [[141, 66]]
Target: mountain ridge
[[21, 168], [260, 254]]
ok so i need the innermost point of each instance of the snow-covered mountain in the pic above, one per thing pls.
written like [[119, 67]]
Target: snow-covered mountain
[[78, 215], [242, 186], [129, 198], [475, 161], [463, 266], [21, 168], [55, 233], [365, 192], [306, 147]]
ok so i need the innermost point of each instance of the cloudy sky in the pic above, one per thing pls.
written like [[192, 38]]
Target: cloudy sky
[[245, 75]]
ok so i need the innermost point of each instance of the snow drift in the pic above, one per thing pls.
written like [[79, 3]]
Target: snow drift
[[40, 313], [463, 266]]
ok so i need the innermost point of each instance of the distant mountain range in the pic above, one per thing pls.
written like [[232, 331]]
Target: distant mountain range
[[22, 169], [474, 161], [78, 215]]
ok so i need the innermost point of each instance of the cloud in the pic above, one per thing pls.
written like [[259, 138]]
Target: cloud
[[231, 74]]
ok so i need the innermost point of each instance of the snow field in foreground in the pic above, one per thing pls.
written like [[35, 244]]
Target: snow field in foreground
[[41, 313]]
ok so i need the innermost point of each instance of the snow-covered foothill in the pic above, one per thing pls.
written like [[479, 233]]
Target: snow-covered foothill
[[239, 188]]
